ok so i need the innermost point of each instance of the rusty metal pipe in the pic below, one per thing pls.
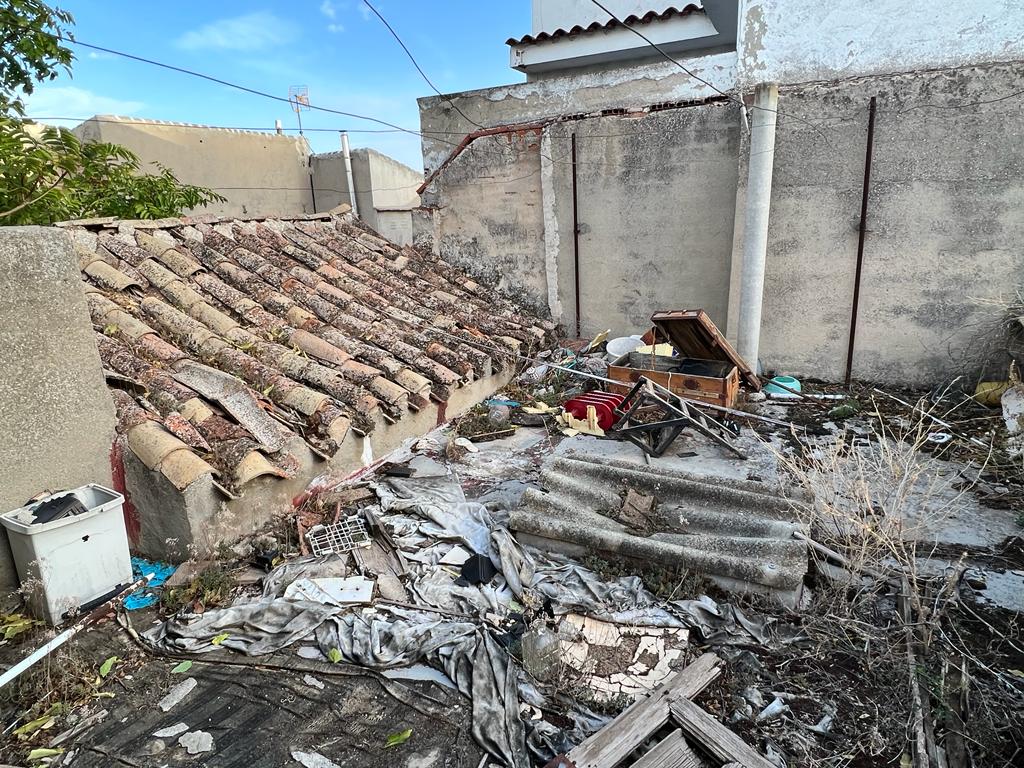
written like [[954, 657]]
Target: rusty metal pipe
[[575, 237], [860, 238]]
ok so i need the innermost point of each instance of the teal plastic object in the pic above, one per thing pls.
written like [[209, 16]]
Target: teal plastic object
[[785, 381]]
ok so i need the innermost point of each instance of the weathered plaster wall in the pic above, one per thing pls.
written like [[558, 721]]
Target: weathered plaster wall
[[56, 416], [794, 41], [581, 92], [385, 189], [945, 230], [488, 217], [258, 173], [656, 208], [330, 180], [488, 207]]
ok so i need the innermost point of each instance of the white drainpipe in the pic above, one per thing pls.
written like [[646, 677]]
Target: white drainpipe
[[348, 173], [755, 227]]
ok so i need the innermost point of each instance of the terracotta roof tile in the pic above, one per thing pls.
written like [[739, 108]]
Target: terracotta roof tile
[[248, 335]]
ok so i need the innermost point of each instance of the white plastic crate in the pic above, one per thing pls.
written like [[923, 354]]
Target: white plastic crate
[[71, 562]]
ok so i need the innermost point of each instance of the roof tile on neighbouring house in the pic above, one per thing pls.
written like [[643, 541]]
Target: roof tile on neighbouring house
[[606, 26]]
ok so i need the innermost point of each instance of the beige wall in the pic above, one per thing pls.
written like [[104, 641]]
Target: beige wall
[[56, 415], [258, 173], [385, 189]]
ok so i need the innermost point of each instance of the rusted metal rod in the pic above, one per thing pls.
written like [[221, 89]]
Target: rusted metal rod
[[860, 238], [575, 237]]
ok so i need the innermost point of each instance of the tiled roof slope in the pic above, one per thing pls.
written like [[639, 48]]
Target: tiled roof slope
[[248, 334], [597, 26]]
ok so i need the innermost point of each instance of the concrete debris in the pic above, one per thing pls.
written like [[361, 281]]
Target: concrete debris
[[196, 742], [615, 660], [351, 590], [312, 682], [171, 731], [312, 760], [177, 694]]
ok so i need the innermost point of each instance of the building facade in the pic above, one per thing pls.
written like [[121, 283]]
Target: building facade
[[640, 184], [269, 174]]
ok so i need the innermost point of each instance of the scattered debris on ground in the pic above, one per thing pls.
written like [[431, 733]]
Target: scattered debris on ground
[[816, 577]]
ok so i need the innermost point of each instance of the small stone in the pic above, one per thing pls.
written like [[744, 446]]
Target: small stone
[[197, 742], [499, 414], [975, 580], [174, 730], [177, 693], [312, 682], [312, 760]]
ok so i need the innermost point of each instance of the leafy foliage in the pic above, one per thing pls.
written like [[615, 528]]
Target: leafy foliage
[[49, 175], [30, 49], [46, 173]]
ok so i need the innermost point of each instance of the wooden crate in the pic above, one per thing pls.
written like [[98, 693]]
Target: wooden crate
[[717, 390]]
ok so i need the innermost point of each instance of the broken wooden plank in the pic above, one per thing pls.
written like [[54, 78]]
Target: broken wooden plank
[[670, 752], [723, 744], [637, 722]]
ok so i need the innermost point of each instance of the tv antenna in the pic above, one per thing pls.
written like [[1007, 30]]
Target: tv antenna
[[298, 97]]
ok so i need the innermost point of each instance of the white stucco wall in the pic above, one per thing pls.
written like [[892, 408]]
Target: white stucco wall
[[795, 41]]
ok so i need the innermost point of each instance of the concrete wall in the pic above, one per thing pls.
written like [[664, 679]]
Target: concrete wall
[[396, 226], [656, 206], [489, 219], [258, 173], [945, 230], [794, 41], [488, 208], [56, 416], [385, 188], [329, 180]]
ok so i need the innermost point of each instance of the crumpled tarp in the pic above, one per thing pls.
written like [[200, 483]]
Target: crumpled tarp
[[424, 512], [144, 597]]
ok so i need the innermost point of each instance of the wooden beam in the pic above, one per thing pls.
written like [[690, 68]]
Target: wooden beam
[[724, 745], [637, 722], [670, 752]]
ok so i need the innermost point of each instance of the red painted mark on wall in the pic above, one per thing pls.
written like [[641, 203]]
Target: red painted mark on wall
[[132, 522]]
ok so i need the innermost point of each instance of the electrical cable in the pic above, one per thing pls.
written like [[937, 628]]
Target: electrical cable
[[418, 67]]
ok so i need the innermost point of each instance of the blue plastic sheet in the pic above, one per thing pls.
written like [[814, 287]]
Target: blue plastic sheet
[[146, 596]]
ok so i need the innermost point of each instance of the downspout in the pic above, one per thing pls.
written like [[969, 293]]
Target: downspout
[[868, 152], [348, 173], [755, 228]]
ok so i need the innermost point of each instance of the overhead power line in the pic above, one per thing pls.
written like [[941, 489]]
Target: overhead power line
[[418, 67], [662, 51]]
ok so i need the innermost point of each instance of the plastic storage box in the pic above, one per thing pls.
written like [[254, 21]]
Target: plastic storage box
[[75, 561]]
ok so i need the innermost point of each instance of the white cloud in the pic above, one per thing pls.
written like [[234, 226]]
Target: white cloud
[[69, 101], [365, 11], [327, 9], [335, 28], [251, 32]]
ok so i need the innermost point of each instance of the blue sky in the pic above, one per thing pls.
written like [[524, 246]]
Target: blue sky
[[337, 48]]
